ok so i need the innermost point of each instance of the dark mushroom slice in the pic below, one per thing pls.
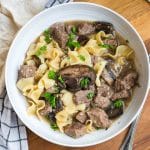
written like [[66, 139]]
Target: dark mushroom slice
[[72, 76], [51, 117], [59, 106], [36, 60], [114, 112], [82, 39], [108, 76], [111, 72], [107, 27]]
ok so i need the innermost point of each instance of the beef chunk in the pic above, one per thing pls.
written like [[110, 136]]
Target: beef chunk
[[75, 130], [105, 91], [59, 34], [102, 102], [102, 99], [82, 39], [107, 76], [105, 26], [81, 97], [27, 71], [68, 28], [127, 82], [99, 118], [122, 94], [86, 28], [46, 110], [72, 75], [81, 117]]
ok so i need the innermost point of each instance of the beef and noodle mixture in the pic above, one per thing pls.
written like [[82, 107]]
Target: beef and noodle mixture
[[79, 76]]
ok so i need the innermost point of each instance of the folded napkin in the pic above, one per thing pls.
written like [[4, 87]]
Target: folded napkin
[[13, 15]]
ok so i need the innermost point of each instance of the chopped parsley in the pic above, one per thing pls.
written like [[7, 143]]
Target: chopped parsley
[[50, 98], [74, 30], [84, 83], [61, 79], [82, 58], [54, 126], [52, 75], [41, 50], [68, 58], [118, 103], [47, 35], [72, 42], [90, 95], [108, 46]]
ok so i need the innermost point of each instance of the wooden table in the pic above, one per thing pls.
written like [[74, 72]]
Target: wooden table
[[138, 13]]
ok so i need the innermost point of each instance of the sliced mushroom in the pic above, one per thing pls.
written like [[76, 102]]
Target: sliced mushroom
[[72, 75], [104, 26], [114, 112], [51, 117], [83, 39], [59, 106]]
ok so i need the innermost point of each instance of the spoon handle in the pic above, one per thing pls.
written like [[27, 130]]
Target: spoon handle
[[128, 142]]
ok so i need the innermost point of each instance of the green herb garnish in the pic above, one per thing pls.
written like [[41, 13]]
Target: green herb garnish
[[90, 95], [52, 75], [68, 58], [106, 46], [72, 42], [74, 30], [82, 58], [47, 35], [41, 50], [61, 79], [50, 98], [84, 82], [54, 126], [118, 103]]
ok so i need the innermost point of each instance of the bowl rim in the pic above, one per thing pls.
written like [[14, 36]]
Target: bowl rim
[[7, 79]]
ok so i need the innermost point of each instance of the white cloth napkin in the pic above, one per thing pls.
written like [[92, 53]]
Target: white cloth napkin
[[13, 15]]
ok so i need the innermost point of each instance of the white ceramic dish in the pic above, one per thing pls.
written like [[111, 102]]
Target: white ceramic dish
[[75, 11]]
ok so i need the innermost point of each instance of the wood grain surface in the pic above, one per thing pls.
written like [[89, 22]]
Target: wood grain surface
[[138, 13]]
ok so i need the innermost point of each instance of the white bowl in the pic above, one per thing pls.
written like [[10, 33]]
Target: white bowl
[[75, 11]]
